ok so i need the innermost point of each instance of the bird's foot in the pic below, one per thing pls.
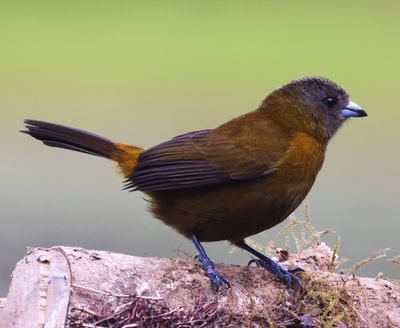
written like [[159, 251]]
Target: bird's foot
[[288, 276], [215, 277]]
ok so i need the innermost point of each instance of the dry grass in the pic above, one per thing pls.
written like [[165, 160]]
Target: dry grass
[[326, 303], [148, 313]]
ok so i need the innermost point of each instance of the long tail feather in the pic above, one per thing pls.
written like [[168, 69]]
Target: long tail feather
[[61, 136], [56, 135]]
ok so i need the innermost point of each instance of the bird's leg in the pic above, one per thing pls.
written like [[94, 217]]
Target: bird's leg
[[208, 266], [272, 266]]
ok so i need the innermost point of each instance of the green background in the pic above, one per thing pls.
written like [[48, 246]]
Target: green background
[[143, 71]]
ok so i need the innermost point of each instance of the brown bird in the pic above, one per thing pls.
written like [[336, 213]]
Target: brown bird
[[233, 181]]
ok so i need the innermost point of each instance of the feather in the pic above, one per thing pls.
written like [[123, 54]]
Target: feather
[[190, 160]]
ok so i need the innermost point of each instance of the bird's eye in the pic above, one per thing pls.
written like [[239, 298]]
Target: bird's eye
[[329, 101]]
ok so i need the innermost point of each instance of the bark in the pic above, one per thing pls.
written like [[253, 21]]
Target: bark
[[74, 287]]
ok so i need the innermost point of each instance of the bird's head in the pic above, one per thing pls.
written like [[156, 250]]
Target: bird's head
[[312, 104]]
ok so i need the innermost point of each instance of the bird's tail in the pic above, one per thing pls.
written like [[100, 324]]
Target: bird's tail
[[56, 135]]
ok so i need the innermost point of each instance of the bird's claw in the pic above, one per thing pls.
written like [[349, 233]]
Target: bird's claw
[[288, 276], [216, 278], [296, 270]]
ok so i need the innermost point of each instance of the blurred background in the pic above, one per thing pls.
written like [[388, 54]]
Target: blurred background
[[144, 71]]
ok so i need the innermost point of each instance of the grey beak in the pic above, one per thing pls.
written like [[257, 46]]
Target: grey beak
[[353, 110]]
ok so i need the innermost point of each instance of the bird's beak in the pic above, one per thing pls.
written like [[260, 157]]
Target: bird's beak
[[353, 110]]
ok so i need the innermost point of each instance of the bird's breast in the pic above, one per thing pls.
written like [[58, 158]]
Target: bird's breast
[[303, 158], [297, 170]]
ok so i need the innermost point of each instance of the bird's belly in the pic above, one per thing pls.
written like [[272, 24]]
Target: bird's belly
[[232, 211]]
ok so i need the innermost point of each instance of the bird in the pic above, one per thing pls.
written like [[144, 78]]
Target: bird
[[233, 181]]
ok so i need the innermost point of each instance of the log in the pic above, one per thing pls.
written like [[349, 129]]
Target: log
[[74, 287]]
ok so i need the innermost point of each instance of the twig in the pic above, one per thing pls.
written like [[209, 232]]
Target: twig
[[116, 295]]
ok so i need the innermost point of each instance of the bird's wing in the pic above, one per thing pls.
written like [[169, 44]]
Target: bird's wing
[[194, 159]]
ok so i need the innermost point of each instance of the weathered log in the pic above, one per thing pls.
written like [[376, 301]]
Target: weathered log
[[74, 287]]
